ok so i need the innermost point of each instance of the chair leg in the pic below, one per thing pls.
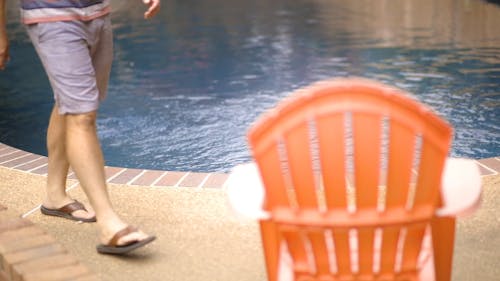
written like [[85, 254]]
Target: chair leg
[[443, 242], [270, 244]]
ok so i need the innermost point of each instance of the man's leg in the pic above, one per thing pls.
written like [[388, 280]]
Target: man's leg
[[56, 196], [66, 59], [85, 156]]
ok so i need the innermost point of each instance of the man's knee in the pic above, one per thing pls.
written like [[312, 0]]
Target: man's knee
[[83, 121]]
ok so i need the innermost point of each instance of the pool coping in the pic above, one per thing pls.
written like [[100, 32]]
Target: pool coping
[[13, 158], [17, 159]]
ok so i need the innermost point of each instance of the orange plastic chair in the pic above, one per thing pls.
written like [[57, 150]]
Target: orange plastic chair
[[351, 171]]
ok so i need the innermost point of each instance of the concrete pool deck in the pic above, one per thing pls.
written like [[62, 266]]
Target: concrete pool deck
[[199, 238]]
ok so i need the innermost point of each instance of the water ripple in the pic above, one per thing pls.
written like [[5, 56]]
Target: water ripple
[[186, 86]]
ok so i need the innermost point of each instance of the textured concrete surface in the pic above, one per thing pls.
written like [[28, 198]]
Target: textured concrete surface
[[477, 244], [200, 239]]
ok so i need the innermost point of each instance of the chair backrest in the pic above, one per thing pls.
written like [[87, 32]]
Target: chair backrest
[[352, 172]]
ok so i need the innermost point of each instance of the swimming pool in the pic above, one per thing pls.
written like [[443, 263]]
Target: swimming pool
[[186, 86]]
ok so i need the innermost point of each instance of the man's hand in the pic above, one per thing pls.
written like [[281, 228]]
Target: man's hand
[[153, 8], [4, 49], [4, 41]]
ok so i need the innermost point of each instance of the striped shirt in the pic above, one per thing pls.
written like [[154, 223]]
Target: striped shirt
[[35, 11]]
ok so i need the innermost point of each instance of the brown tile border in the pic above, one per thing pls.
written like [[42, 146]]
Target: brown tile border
[[42, 161], [13, 158], [28, 158], [10, 156], [193, 180], [215, 180], [42, 170], [169, 179], [29, 253], [147, 178], [112, 172], [126, 176], [489, 166]]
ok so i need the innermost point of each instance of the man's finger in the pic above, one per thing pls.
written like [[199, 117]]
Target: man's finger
[[4, 59], [154, 7]]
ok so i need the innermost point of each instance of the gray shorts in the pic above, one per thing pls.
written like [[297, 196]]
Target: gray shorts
[[77, 57]]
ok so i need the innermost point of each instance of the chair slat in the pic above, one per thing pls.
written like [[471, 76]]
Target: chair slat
[[298, 150], [389, 249], [366, 239], [399, 165], [366, 134], [342, 251], [297, 249], [320, 252], [271, 243], [412, 246], [269, 164], [429, 174], [331, 139]]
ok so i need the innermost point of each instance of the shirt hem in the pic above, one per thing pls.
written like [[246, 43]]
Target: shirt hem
[[105, 11]]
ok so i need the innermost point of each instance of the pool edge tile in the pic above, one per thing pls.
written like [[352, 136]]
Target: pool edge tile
[[20, 160], [148, 178], [13, 158], [492, 164], [125, 176], [215, 180], [171, 178], [32, 165], [193, 180]]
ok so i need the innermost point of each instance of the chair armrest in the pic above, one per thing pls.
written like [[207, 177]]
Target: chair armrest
[[460, 188], [245, 191]]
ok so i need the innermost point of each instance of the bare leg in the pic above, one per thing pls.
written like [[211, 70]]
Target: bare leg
[[58, 166], [85, 156]]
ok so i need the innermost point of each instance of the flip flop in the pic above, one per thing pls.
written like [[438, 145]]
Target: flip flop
[[66, 212], [113, 249]]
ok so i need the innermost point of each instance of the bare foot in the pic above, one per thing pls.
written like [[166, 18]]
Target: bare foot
[[123, 241], [110, 230]]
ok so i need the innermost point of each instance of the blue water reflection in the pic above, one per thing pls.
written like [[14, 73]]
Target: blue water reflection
[[186, 86]]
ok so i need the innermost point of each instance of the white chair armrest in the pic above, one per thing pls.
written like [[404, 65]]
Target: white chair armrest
[[245, 191], [460, 187]]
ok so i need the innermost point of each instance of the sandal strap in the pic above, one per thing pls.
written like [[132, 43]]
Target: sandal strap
[[71, 207], [124, 232]]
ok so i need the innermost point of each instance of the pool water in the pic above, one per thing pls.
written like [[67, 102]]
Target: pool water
[[186, 86]]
